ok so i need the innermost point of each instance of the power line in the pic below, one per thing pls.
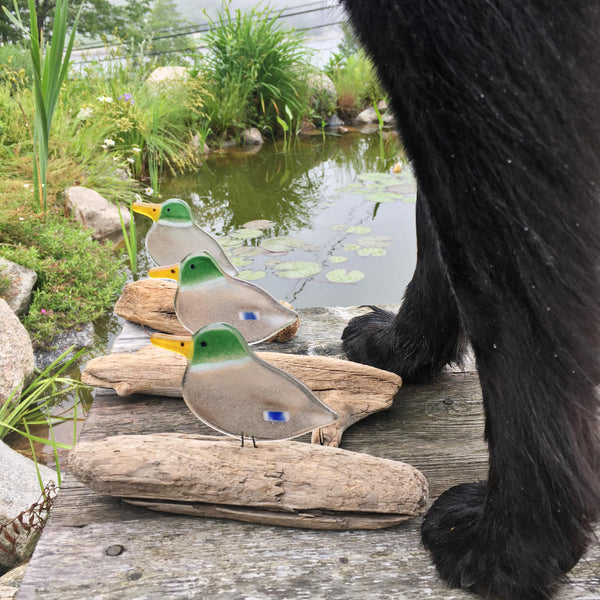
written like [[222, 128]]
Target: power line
[[204, 27]]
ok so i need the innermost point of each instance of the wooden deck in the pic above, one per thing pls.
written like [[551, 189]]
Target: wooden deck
[[96, 547]]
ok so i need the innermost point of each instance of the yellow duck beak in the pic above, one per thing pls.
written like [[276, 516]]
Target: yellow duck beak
[[174, 343], [148, 209], [170, 272]]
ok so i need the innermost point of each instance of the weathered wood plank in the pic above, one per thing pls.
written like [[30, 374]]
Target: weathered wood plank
[[438, 428], [177, 557]]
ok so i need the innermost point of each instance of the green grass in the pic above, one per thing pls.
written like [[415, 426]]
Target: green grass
[[255, 69], [33, 407]]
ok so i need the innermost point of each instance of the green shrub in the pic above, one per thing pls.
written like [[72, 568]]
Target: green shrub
[[356, 82], [78, 278], [255, 70]]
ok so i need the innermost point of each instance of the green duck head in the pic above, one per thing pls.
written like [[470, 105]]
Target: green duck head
[[212, 344], [195, 269], [172, 212]]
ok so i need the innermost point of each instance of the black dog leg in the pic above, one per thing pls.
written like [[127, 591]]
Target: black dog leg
[[426, 333]]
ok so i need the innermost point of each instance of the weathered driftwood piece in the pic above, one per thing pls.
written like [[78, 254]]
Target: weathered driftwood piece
[[151, 302], [353, 390], [277, 483]]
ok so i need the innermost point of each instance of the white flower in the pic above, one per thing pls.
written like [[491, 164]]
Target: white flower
[[137, 197], [135, 149], [148, 191], [104, 146], [85, 113], [131, 160], [109, 143], [25, 185], [105, 99]]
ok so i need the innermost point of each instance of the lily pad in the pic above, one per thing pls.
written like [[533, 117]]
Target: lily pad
[[248, 275], [296, 269], [338, 227], [246, 234], [229, 242], [370, 252], [375, 241], [246, 251], [240, 261], [360, 229], [337, 259], [272, 262], [259, 224], [343, 276], [283, 243], [375, 177], [311, 248], [382, 197], [351, 247]]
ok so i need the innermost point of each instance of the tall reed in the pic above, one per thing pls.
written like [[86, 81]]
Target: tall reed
[[49, 70]]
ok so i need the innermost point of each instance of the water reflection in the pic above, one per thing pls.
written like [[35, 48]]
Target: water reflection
[[313, 191]]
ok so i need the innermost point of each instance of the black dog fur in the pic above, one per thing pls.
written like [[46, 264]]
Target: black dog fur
[[497, 104]]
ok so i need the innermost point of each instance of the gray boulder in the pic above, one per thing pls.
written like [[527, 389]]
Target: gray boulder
[[96, 212], [10, 582], [16, 353], [252, 137], [21, 286], [165, 77], [85, 337], [19, 491], [367, 117]]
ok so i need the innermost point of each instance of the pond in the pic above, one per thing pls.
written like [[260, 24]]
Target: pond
[[323, 223]]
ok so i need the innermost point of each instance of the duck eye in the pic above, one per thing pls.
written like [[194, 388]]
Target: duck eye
[[173, 271], [203, 344], [168, 210], [192, 266], [182, 344]]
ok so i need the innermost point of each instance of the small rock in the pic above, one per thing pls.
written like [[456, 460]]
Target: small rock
[[367, 117], [10, 582], [21, 286], [334, 121], [252, 137], [19, 490], [16, 353], [96, 212], [389, 119], [163, 77], [83, 338], [382, 106]]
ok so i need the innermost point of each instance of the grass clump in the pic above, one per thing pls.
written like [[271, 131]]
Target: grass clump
[[257, 71]]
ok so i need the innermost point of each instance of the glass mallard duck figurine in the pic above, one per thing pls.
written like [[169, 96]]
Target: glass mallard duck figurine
[[233, 391], [174, 234], [206, 294]]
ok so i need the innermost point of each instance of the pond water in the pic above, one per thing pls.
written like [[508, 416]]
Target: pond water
[[325, 222]]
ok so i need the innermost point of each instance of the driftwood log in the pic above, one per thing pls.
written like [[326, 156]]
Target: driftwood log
[[151, 302], [276, 483], [353, 390]]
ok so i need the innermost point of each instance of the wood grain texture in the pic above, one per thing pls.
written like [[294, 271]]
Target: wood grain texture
[[354, 391], [291, 483], [437, 427]]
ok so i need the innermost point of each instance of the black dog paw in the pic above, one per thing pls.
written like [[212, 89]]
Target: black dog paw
[[398, 343], [492, 556]]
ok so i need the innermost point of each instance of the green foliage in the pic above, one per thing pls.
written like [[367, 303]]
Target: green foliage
[[33, 406], [49, 68], [78, 279], [356, 82], [255, 69]]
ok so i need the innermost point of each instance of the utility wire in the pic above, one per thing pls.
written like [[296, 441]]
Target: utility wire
[[204, 27]]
